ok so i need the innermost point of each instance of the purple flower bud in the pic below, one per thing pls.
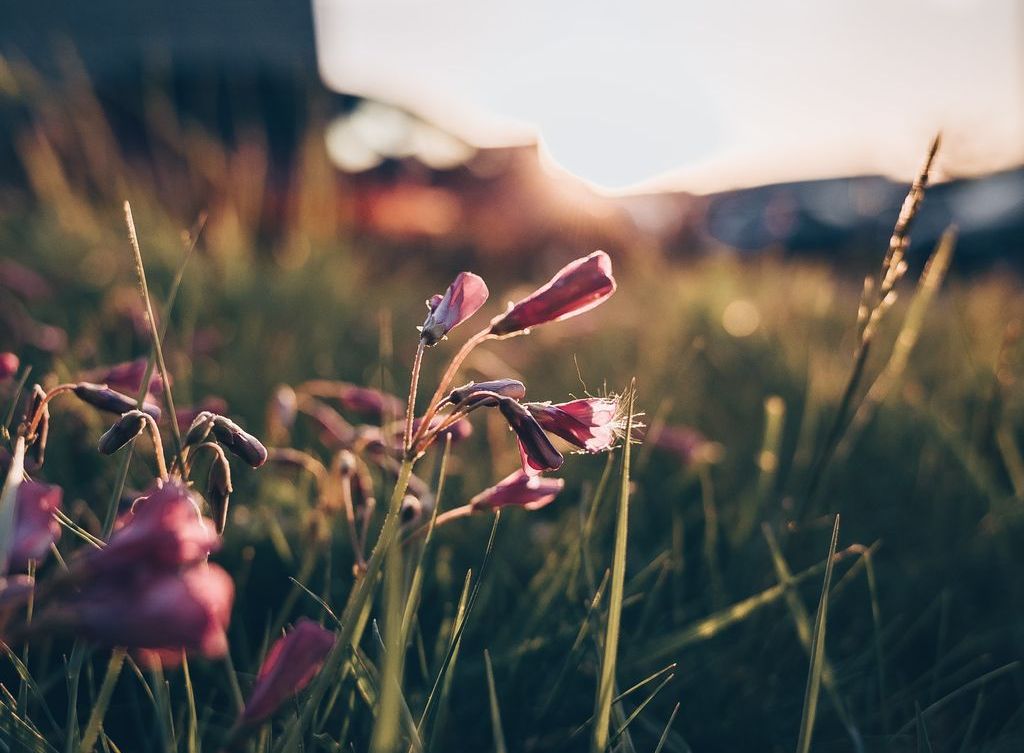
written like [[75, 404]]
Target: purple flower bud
[[127, 377], [468, 394], [199, 429], [538, 454], [577, 287], [35, 527], [124, 430], [9, 363], [186, 417], [592, 424], [160, 610], [218, 491], [519, 489], [102, 397], [368, 402], [412, 510], [164, 530], [291, 664], [239, 441], [463, 298]]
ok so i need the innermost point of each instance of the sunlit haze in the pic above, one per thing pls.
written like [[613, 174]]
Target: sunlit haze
[[698, 96]]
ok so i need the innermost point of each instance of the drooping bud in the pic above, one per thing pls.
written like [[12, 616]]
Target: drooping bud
[[463, 298], [124, 430], [281, 413], [239, 442], [35, 527], [218, 491], [576, 288], [102, 397], [468, 395], [200, 429], [519, 489], [538, 454], [9, 363]]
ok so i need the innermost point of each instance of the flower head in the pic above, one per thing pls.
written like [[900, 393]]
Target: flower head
[[35, 528], [462, 299], [536, 450], [123, 431], [592, 424], [163, 530], [159, 610], [519, 489], [291, 664], [575, 288], [127, 377]]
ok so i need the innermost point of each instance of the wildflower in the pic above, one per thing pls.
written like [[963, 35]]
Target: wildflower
[[102, 397], [576, 288], [462, 299], [291, 664], [536, 450], [687, 444], [124, 430], [35, 528], [9, 363], [239, 441], [156, 610], [519, 489], [163, 530], [592, 424], [368, 402], [468, 395], [127, 377]]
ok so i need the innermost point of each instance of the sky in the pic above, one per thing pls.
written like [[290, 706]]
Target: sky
[[698, 95]]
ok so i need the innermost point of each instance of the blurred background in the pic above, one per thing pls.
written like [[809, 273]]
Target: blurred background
[[742, 162]]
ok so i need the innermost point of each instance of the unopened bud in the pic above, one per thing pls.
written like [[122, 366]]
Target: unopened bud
[[124, 430], [239, 442], [102, 397], [200, 429]]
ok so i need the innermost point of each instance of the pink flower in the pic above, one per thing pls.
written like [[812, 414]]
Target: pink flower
[[520, 489], [535, 449], [686, 443], [35, 527], [162, 611], [9, 363], [592, 424], [127, 377], [291, 664], [102, 397], [463, 298], [163, 530], [368, 402], [577, 287]]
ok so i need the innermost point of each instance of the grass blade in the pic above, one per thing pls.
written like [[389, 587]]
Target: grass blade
[[606, 684], [499, 734], [817, 668]]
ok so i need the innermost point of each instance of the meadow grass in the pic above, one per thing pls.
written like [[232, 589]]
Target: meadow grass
[[695, 623]]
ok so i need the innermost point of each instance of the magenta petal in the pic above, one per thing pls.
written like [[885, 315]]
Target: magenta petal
[[519, 489], [463, 298], [35, 527]]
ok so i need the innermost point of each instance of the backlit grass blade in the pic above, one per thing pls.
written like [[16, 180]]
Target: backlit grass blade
[[606, 683], [668, 728], [817, 667], [492, 694]]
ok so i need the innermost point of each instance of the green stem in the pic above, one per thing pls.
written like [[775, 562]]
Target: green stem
[[357, 601], [99, 710]]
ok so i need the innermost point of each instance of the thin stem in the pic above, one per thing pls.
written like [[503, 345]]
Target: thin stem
[[158, 445], [350, 519], [158, 349], [446, 517], [38, 415], [446, 380], [410, 409]]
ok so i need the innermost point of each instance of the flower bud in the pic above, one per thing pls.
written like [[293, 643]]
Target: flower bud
[[519, 489], [35, 527], [468, 394], [102, 397], [239, 441], [124, 430], [538, 454], [9, 363], [291, 664], [200, 429], [463, 298], [576, 288], [412, 510]]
